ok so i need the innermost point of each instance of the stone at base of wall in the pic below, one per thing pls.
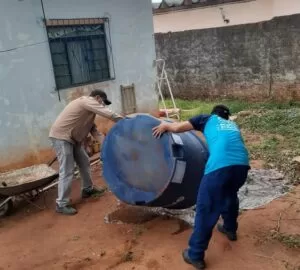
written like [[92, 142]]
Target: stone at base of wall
[[280, 92]]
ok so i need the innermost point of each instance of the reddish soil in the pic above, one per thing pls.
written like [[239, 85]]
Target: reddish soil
[[34, 239]]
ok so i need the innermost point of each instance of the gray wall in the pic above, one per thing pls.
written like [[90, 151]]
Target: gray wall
[[256, 61], [28, 101]]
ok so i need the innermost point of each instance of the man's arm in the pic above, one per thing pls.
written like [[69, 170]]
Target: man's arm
[[172, 127], [196, 123], [92, 105], [96, 134], [98, 137]]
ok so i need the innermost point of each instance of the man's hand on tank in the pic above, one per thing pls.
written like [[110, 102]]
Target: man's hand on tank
[[159, 130], [117, 117]]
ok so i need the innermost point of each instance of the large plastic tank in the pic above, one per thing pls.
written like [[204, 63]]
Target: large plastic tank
[[142, 170]]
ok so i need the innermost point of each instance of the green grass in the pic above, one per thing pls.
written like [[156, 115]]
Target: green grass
[[191, 108], [291, 241], [285, 122], [280, 129], [264, 150], [278, 124]]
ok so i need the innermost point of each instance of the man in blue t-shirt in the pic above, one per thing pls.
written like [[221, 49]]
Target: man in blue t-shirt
[[225, 172]]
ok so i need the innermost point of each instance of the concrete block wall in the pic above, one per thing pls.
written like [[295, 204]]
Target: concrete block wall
[[255, 61]]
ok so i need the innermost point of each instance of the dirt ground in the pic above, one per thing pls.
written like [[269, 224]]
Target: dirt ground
[[41, 239]]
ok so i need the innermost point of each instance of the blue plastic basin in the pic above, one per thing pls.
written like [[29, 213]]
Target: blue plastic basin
[[142, 170]]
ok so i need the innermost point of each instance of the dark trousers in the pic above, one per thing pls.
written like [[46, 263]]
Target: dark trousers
[[217, 196]]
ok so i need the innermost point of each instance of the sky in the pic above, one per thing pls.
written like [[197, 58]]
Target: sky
[[156, 1]]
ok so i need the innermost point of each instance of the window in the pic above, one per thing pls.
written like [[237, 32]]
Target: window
[[79, 51]]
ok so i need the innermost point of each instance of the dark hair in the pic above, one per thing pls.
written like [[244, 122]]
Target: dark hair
[[98, 92], [222, 111], [102, 94]]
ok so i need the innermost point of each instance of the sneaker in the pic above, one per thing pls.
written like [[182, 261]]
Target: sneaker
[[92, 192], [230, 235], [66, 210], [197, 264]]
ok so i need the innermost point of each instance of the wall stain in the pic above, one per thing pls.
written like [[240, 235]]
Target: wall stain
[[31, 158]]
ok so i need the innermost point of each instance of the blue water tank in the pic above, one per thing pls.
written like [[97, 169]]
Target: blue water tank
[[142, 170]]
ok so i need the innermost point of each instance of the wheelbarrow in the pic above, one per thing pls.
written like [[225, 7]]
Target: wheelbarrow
[[27, 183]]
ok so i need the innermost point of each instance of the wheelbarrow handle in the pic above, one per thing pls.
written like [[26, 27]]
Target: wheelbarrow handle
[[5, 201], [52, 161], [92, 162]]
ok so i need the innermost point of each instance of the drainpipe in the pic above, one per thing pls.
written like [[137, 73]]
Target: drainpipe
[[44, 19]]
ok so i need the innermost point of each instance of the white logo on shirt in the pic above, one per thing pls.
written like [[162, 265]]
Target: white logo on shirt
[[226, 125]]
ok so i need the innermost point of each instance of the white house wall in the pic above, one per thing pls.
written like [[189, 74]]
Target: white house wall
[[211, 17], [28, 100]]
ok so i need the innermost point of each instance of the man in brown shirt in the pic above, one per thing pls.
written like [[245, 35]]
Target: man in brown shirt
[[69, 130]]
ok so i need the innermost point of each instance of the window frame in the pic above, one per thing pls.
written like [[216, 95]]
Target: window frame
[[50, 24]]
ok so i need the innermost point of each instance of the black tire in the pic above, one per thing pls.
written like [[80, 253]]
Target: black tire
[[6, 209]]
